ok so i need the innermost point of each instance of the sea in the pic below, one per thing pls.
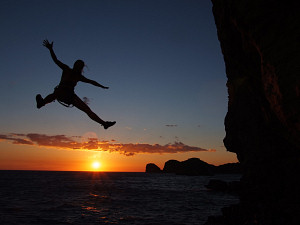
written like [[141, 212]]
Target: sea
[[88, 198]]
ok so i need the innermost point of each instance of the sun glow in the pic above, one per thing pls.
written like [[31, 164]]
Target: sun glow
[[96, 165]]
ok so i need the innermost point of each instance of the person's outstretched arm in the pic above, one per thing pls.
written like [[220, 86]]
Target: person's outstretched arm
[[86, 80], [47, 44]]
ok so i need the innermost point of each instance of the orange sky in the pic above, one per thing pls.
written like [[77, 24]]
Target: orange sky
[[31, 157]]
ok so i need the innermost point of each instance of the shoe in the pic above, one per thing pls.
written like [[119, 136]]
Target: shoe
[[39, 101], [108, 124]]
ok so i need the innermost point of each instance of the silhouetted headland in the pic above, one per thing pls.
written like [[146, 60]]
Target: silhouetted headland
[[193, 167]]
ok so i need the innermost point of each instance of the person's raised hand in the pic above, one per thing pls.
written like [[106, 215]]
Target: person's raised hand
[[47, 44]]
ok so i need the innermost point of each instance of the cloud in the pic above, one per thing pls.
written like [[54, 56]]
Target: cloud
[[171, 125], [60, 141], [76, 142], [13, 138], [86, 100]]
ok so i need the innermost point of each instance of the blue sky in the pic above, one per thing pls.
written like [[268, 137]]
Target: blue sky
[[160, 58]]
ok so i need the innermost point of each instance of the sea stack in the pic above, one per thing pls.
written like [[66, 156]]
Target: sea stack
[[152, 168]]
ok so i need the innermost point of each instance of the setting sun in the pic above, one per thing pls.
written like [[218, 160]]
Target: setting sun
[[96, 165]]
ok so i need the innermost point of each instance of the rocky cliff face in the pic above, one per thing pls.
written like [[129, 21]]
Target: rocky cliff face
[[261, 49]]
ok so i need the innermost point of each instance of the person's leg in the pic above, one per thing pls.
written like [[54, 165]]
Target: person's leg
[[78, 103], [40, 102], [50, 98]]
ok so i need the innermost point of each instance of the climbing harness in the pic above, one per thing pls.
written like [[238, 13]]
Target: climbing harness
[[65, 104]]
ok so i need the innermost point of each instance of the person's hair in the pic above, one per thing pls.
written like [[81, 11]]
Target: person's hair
[[78, 65]]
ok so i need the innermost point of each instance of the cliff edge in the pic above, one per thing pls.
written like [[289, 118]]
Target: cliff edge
[[261, 49]]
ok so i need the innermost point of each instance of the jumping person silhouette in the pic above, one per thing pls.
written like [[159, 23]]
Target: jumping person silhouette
[[64, 92]]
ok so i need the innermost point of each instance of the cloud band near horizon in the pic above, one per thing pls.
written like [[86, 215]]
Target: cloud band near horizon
[[80, 143]]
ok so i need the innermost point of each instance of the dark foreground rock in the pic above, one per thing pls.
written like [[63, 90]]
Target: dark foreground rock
[[217, 185], [220, 185], [260, 43]]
